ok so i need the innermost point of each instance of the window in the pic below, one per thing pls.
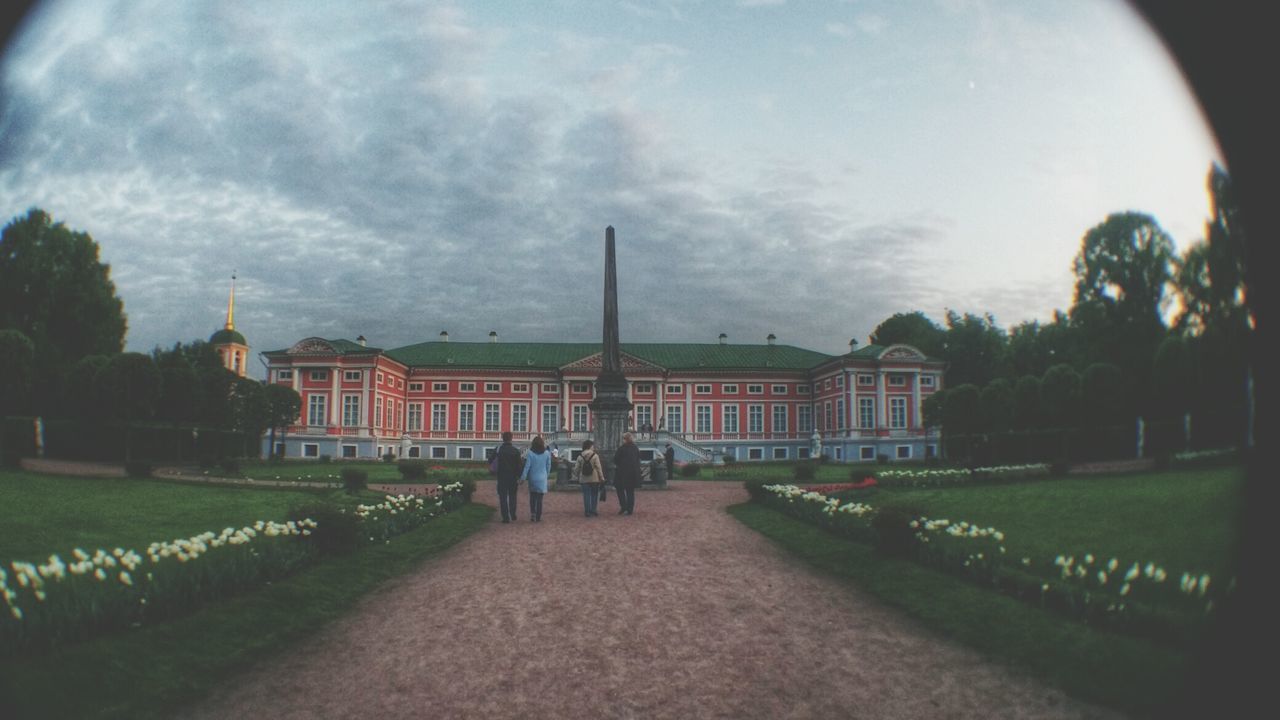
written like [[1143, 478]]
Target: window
[[520, 418], [702, 389], [439, 417], [437, 453], [280, 449], [755, 389], [802, 453], [675, 419], [644, 416], [729, 418], [865, 380], [465, 453], [352, 376], [399, 413], [316, 407], [866, 412], [926, 381], [840, 413], [319, 375], [897, 413], [897, 381], [381, 378], [778, 389], [348, 451], [440, 387], [839, 381], [780, 453], [839, 454], [350, 410], [826, 416], [519, 387], [580, 418], [675, 390], [415, 416], [415, 451], [377, 411], [755, 418], [493, 387], [866, 452], [826, 384], [755, 453], [466, 417], [466, 387], [779, 418], [804, 419], [702, 418], [415, 387], [310, 450], [284, 375], [581, 388], [550, 418], [729, 389], [551, 388], [644, 388], [931, 451], [903, 452], [492, 417], [400, 383], [803, 389]]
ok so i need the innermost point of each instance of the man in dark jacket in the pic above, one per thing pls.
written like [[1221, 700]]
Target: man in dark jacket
[[509, 466], [670, 457], [626, 474]]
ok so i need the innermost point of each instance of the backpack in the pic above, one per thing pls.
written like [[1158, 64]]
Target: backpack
[[587, 469]]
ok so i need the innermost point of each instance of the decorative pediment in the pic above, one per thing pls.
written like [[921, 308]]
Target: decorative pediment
[[313, 346], [901, 352], [595, 362]]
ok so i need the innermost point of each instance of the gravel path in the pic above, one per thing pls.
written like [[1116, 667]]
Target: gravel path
[[676, 612]]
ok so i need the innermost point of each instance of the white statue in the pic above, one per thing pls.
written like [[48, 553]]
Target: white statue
[[815, 445]]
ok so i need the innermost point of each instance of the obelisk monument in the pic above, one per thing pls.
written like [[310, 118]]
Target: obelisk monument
[[610, 407]]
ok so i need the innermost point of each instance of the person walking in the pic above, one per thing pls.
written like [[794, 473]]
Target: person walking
[[508, 474], [537, 468], [590, 476], [670, 457], [626, 474]]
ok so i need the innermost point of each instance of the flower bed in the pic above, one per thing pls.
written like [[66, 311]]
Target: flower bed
[[1136, 597], [58, 600], [959, 476]]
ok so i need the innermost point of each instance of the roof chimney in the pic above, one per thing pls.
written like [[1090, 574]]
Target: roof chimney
[[493, 336], [444, 336], [853, 342], [771, 338], [362, 341], [723, 338]]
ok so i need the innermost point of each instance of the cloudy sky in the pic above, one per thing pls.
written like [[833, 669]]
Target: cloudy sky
[[396, 169]]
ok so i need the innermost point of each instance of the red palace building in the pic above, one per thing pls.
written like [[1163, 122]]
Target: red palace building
[[447, 400]]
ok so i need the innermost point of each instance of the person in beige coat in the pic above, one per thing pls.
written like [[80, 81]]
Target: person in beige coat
[[589, 473]]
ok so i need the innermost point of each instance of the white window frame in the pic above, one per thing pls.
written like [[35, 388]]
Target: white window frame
[[701, 389], [897, 413], [354, 451], [644, 414], [729, 389], [439, 387], [551, 388], [644, 388], [493, 387], [439, 417], [416, 387], [284, 375], [804, 389], [780, 453], [439, 452], [350, 411], [804, 419], [866, 453], [581, 418], [840, 415], [899, 454], [554, 425], [467, 387], [310, 450], [897, 380], [466, 453], [778, 389], [840, 382], [702, 419], [675, 419], [729, 418], [381, 378], [492, 417], [520, 417], [867, 411], [519, 387], [755, 418], [377, 411], [581, 388], [317, 409], [827, 416], [927, 381], [415, 451], [755, 453], [773, 418], [414, 423], [319, 376], [755, 389], [352, 375], [866, 380], [466, 417], [675, 389]]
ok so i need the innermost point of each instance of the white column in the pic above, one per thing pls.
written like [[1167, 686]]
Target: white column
[[882, 418], [915, 400], [366, 410], [336, 399]]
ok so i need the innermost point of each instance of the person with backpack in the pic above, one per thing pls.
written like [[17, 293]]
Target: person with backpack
[[590, 475], [537, 469], [506, 466]]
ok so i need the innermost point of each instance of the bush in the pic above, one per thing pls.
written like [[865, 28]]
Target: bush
[[138, 469], [894, 534], [882, 459], [755, 488], [1059, 467], [389, 458], [823, 459], [230, 466], [805, 472], [412, 469], [336, 531], [690, 469], [326, 458], [728, 459], [468, 487], [354, 480]]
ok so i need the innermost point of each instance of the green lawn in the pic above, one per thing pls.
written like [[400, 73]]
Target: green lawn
[[378, 472], [1126, 673], [44, 514]]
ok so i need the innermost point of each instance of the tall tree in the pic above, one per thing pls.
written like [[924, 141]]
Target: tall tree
[[17, 370], [996, 406], [1060, 396], [54, 290], [131, 385], [1027, 404], [1102, 390], [283, 405], [974, 349], [912, 329]]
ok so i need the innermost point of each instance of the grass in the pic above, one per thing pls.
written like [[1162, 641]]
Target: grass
[[155, 671], [1126, 673], [379, 472], [43, 514]]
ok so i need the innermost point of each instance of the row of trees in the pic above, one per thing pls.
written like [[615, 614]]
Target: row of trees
[[1149, 334]]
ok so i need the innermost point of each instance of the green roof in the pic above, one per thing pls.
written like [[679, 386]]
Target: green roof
[[675, 356], [317, 346], [225, 336]]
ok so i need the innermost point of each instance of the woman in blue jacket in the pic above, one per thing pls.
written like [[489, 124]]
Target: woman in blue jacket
[[537, 468]]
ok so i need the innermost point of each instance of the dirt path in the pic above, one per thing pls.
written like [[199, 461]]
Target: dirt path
[[676, 612]]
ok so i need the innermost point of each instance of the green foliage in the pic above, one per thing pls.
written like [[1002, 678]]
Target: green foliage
[[1172, 377], [974, 349], [1102, 391], [894, 535], [690, 469], [325, 459], [230, 467], [805, 472], [412, 470], [17, 372], [914, 329], [996, 406], [337, 528], [1027, 403], [960, 413], [934, 408], [354, 480], [1061, 396], [131, 385]]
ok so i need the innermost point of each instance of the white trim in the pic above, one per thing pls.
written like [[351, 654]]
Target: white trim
[[897, 452], [758, 450], [862, 453], [440, 387], [729, 388], [471, 452], [355, 451], [444, 452], [314, 447], [784, 454], [774, 389]]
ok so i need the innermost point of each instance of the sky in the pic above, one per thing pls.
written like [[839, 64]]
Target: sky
[[392, 170]]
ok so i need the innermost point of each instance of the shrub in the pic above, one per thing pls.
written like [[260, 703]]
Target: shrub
[[354, 480], [230, 466], [894, 534], [1059, 467], [882, 459], [823, 459], [412, 469], [326, 458], [805, 472], [468, 488], [138, 469], [729, 459], [690, 469], [755, 488], [336, 531], [389, 458]]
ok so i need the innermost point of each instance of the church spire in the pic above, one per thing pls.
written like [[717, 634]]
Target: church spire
[[231, 304]]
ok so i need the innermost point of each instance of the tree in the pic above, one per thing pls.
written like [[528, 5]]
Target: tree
[[17, 370], [1060, 396], [83, 395], [1027, 411], [1102, 390], [249, 410], [960, 413], [131, 385], [54, 290], [912, 329], [1173, 378], [283, 405], [996, 406], [974, 349]]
